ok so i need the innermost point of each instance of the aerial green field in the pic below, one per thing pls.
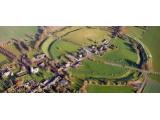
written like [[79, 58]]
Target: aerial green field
[[135, 32], [16, 32], [153, 86], [2, 58], [78, 37], [124, 54], [60, 48], [109, 89], [109, 67], [151, 39], [93, 69], [46, 44]]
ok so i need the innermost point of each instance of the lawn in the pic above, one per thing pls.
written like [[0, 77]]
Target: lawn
[[109, 89], [17, 32]]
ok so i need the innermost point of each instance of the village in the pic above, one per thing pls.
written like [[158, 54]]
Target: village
[[32, 69], [59, 81]]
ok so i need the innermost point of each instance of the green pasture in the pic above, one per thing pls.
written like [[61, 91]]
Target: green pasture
[[135, 32], [73, 39], [109, 89], [151, 39], [17, 32], [123, 54]]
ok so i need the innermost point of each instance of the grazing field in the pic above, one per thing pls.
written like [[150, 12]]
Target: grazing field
[[153, 86], [17, 32], [60, 48], [46, 44], [134, 32], [76, 38], [123, 54], [2, 58], [151, 39], [93, 69], [109, 89], [86, 36], [12, 48]]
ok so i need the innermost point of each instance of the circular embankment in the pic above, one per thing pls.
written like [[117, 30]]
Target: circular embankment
[[70, 40]]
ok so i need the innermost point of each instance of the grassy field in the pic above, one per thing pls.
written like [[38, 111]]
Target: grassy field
[[92, 69], [45, 46], [153, 86], [12, 48], [86, 36], [124, 54], [151, 39], [134, 32], [60, 48], [17, 32], [74, 38], [96, 69], [109, 89], [2, 58]]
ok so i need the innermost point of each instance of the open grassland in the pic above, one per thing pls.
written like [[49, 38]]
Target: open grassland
[[134, 32], [95, 69], [2, 58], [73, 39], [109, 89], [153, 86], [86, 36], [123, 54], [12, 48], [17, 32], [60, 48], [46, 44], [92, 69], [151, 39]]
